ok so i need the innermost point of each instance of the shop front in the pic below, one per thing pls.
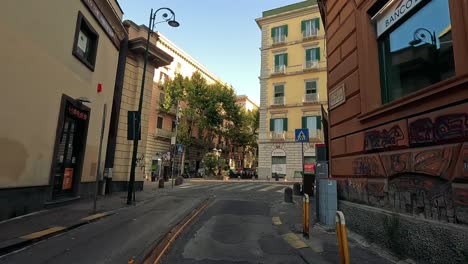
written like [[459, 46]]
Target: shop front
[[69, 148]]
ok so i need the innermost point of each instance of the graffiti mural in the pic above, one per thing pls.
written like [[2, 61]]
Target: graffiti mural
[[446, 127], [424, 196], [377, 139], [433, 162], [367, 166]]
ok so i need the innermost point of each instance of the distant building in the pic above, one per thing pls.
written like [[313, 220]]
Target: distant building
[[293, 83], [246, 103], [58, 70]]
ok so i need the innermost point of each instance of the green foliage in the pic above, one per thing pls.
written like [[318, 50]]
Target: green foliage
[[210, 162]]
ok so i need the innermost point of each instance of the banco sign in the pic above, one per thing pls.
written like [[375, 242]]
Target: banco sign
[[393, 13]]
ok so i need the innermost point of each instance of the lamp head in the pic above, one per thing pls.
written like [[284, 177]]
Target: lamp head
[[415, 42], [173, 23]]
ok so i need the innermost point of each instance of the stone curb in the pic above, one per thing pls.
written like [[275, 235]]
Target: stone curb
[[17, 243]]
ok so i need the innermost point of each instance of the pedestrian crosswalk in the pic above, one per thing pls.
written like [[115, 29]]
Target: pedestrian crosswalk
[[234, 187]]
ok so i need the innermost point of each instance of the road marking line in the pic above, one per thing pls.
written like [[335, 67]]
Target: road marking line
[[237, 186], [94, 217], [220, 186], [44, 232], [184, 186], [294, 241], [253, 187], [268, 188], [276, 220]]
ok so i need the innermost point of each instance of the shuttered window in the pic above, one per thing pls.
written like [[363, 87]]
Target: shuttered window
[[278, 124]]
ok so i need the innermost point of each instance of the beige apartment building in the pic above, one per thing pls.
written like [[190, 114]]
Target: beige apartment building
[[58, 69], [293, 81], [158, 126]]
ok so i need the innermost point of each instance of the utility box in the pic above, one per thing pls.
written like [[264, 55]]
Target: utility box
[[328, 202], [321, 172]]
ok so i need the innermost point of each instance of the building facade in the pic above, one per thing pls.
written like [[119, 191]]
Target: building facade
[[58, 70], [160, 125], [293, 83], [398, 89]]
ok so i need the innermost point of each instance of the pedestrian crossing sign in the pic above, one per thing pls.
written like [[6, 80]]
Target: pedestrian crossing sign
[[302, 135], [180, 148]]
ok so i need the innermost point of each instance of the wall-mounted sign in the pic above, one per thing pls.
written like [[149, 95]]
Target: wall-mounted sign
[[77, 113], [394, 11], [92, 6], [337, 96]]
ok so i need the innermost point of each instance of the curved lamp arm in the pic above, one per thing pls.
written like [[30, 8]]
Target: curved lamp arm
[[419, 35], [167, 16]]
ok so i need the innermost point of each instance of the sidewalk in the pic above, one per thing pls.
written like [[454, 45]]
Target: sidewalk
[[21, 231], [322, 246], [281, 181]]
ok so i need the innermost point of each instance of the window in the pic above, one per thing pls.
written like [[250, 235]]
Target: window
[[279, 34], [160, 122], [162, 97], [313, 123], [312, 57], [279, 94], [163, 77], [311, 91], [310, 27], [173, 125], [281, 61], [86, 42], [417, 51], [278, 124]]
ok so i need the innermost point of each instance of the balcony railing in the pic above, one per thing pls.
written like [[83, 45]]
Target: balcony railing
[[278, 135], [310, 98], [311, 33], [278, 100], [312, 64], [163, 133], [279, 69], [279, 39]]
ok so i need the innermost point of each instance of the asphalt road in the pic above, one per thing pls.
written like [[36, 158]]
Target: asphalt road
[[235, 228]]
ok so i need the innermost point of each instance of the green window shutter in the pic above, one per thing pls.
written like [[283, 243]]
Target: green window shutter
[[317, 53], [303, 26], [304, 122], [273, 32], [285, 124], [308, 54], [272, 124], [285, 59], [285, 30], [317, 23], [277, 58], [319, 122]]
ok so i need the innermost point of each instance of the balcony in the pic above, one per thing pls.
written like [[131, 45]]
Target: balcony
[[278, 100], [310, 33], [278, 135], [279, 69], [161, 133], [310, 98], [277, 40], [311, 65]]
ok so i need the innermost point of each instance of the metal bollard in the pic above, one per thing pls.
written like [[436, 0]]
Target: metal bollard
[[342, 238], [288, 195], [305, 218]]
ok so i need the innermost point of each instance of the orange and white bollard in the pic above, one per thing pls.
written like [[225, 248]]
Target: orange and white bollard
[[342, 238], [305, 218]]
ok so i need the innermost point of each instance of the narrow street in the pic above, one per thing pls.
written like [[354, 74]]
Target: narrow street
[[236, 227]]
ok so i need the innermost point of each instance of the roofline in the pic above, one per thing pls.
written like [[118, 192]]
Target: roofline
[[279, 16]]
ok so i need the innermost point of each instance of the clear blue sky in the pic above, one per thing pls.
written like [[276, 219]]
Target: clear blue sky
[[220, 34]]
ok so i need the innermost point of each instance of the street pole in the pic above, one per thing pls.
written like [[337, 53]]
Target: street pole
[[98, 173], [173, 23], [302, 155], [174, 146], [131, 183]]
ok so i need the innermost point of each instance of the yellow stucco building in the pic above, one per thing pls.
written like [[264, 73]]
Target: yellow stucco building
[[292, 87]]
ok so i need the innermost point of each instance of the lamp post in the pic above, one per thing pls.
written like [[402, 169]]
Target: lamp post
[[420, 36], [170, 19]]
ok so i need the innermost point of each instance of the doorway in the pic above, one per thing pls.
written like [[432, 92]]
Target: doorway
[[69, 148]]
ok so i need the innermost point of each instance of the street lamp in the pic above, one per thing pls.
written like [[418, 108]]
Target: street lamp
[[170, 19], [420, 36]]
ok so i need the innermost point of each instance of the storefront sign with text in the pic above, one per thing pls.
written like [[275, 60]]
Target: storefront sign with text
[[393, 13]]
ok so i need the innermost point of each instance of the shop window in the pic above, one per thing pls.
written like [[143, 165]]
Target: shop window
[[86, 42], [415, 46]]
